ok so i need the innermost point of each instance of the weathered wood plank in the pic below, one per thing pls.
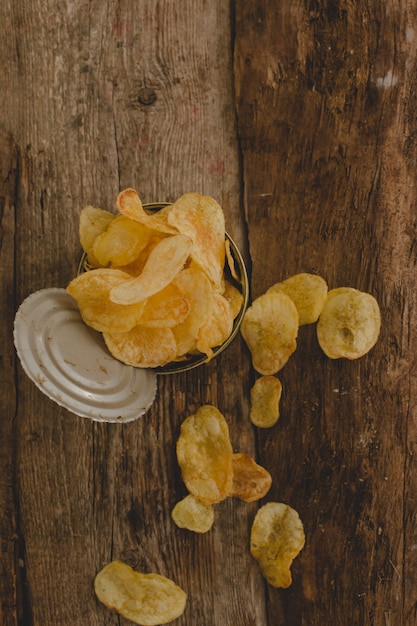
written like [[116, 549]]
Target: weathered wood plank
[[326, 122]]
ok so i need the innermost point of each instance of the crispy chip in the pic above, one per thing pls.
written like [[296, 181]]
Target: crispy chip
[[91, 291], [121, 243], [93, 222], [277, 537], [217, 328], [129, 204], [192, 514], [145, 599], [166, 308], [265, 396], [270, 328], [142, 347], [165, 261], [198, 290], [308, 292], [250, 481], [202, 219], [349, 323], [234, 297], [204, 455]]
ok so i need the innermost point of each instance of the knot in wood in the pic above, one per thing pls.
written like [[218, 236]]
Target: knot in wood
[[147, 96]]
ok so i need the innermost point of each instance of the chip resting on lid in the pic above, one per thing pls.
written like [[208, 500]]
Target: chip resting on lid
[[270, 328], [251, 481], [277, 537], [91, 291], [204, 454], [142, 346], [164, 263], [349, 324], [144, 599], [202, 219], [308, 292]]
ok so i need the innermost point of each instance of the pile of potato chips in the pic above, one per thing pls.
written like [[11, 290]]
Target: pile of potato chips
[[348, 326], [162, 286]]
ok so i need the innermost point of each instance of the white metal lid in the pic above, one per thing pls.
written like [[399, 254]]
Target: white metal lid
[[70, 363]]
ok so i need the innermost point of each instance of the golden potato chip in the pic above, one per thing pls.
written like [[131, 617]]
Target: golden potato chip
[[231, 261], [308, 292], [93, 222], [349, 323], [142, 347], [250, 481], [204, 455], [166, 308], [129, 204], [269, 328], [277, 537], [217, 328], [192, 514], [198, 290], [165, 261], [202, 219], [265, 396], [91, 291], [121, 243], [145, 599], [136, 267], [234, 297]]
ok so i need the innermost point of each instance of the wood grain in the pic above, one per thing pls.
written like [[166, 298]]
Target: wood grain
[[300, 120]]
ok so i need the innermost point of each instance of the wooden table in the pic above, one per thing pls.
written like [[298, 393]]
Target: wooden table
[[300, 119]]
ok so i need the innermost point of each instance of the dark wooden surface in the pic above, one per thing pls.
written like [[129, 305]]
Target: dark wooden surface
[[300, 119]]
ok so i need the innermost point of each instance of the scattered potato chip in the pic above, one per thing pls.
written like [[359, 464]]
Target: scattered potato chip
[[91, 291], [129, 204], [270, 328], [250, 481], [349, 324], [192, 514], [217, 328], [204, 454], [277, 537], [142, 346], [198, 290], [164, 263], [265, 396], [145, 599], [202, 219], [121, 243], [308, 292], [93, 222]]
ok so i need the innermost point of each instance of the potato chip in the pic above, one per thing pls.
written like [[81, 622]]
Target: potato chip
[[250, 481], [193, 515], [166, 308], [270, 328], [204, 455], [202, 219], [265, 396], [198, 290], [165, 261], [231, 261], [349, 324], [308, 292], [145, 599], [93, 222], [121, 243], [277, 537], [217, 328], [91, 291], [129, 204], [234, 297], [142, 347]]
